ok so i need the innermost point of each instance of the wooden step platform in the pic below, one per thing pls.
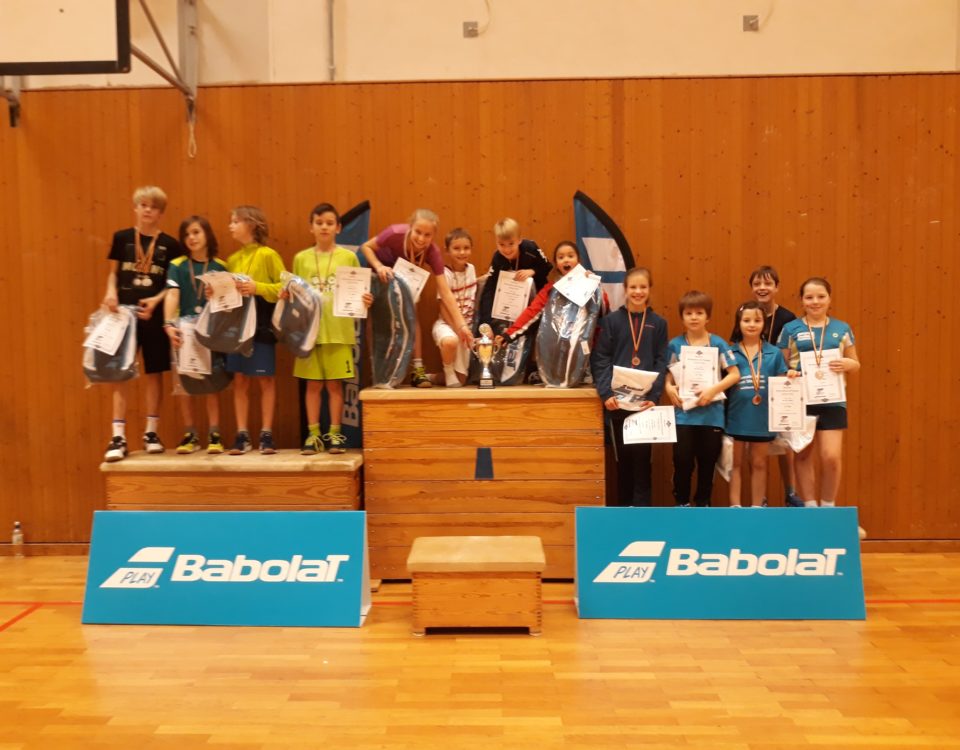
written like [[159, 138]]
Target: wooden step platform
[[464, 461], [477, 581], [283, 481]]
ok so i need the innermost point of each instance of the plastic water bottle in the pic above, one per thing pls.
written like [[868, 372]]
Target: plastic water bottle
[[16, 540]]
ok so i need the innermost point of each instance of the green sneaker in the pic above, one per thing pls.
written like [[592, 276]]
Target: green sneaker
[[189, 444], [311, 446], [419, 378], [336, 442]]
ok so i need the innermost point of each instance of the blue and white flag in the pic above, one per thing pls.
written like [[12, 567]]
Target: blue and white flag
[[603, 247]]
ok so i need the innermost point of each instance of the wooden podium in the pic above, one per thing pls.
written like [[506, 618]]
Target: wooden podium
[[284, 481], [468, 462]]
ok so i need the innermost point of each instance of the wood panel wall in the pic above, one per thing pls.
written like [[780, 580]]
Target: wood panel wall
[[855, 178]]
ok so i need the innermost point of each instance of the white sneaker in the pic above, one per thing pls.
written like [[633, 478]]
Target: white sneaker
[[116, 451], [151, 443]]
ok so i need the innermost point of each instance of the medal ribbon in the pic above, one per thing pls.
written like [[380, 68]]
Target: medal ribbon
[[636, 336], [754, 373], [817, 353], [198, 287], [316, 261], [144, 261], [410, 255]]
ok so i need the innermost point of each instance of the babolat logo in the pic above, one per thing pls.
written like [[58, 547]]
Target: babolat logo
[[139, 578], [241, 569], [632, 572], [735, 563]]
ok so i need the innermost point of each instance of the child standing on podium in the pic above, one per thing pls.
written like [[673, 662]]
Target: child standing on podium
[[633, 336], [700, 428], [263, 265], [748, 403], [331, 361], [804, 342], [765, 283]]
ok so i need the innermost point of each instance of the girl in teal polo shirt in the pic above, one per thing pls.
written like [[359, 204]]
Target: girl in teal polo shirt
[[747, 402]]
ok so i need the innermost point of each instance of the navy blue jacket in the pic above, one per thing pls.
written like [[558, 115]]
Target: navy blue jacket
[[615, 347]]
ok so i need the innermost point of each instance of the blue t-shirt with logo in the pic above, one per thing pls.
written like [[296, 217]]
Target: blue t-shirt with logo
[[795, 338], [745, 418], [710, 415]]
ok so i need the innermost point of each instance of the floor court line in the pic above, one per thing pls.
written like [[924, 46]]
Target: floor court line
[[16, 618]]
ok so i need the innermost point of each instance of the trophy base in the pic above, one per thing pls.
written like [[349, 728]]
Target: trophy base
[[485, 383]]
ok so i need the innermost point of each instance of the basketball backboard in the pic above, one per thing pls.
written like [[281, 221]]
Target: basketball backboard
[[42, 37]]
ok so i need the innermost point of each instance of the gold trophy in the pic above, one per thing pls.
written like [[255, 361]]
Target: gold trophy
[[485, 349]]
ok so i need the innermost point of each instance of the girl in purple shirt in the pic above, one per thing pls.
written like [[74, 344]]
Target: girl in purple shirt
[[414, 242]]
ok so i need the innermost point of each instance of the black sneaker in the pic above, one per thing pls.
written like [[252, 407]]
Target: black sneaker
[[241, 445], [533, 378], [267, 447], [116, 451], [151, 443]]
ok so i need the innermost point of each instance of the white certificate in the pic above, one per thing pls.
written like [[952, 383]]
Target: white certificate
[[690, 402], [108, 332], [351, 284], [655, 425], [511, 297], [193, 358], [413, 276], [698, 369], [578, 285], [631, 386], [823, 385], [787, 409], [226, 296]]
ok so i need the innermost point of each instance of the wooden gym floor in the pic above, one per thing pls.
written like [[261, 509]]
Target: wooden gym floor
[[892, 681]]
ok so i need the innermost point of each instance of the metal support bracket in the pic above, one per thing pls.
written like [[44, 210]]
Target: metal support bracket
[[183, 77]]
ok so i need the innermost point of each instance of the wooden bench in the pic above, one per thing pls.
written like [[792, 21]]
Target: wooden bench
[[477, 581]]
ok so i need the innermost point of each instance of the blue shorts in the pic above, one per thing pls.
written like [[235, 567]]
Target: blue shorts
[[829, 416], [262, 362]]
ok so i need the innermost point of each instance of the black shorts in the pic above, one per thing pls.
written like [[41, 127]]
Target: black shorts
[[752, 438], [154, 345], [829, 416]]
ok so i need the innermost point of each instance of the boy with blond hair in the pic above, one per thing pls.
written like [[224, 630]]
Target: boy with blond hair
[[139, 257], [523, 258]]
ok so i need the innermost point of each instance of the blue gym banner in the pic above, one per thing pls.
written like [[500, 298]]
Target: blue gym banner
[[296, 568], [719, 563], [355, 231]]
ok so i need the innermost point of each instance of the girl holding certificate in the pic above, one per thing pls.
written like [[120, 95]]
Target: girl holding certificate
[[748, 402], [185, 297], [412, 243], [822, 349], [263, 266], [634, 337]]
